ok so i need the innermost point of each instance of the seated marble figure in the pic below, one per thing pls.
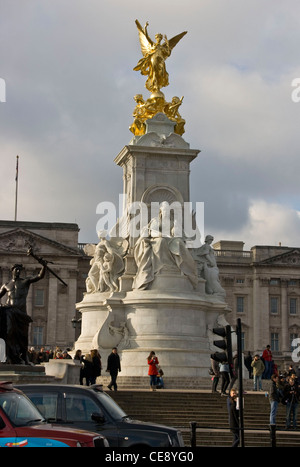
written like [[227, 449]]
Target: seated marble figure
[[157, 251]]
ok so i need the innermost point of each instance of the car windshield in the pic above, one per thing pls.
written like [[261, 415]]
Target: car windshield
[[19, 409], [110, 405]]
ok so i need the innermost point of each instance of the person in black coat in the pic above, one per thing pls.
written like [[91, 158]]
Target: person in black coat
[[233, 417], [87, 372], [113, 367], [96, 358]]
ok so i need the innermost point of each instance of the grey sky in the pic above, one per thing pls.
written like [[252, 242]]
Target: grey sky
[[68, 69]]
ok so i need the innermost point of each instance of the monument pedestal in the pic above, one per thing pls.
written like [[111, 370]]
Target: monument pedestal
[[162, 303]]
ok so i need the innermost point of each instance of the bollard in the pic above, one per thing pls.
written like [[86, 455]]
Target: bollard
[[273, 435], [193, 426]]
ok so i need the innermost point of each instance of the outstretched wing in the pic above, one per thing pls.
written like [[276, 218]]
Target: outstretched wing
[[176, 39], [145, 41]]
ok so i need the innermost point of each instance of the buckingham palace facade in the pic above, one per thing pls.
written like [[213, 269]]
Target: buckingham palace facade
[[262, 286], [263, 290]]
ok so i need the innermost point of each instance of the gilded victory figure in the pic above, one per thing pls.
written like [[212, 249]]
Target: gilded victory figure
[[153, 65]]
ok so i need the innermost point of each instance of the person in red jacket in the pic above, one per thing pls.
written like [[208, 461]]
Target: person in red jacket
[[267, 357], [153, 369]]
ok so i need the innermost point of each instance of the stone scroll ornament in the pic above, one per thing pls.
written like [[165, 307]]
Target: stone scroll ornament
[[152, 65]]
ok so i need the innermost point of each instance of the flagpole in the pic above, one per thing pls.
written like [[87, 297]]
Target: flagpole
[[16, 197]]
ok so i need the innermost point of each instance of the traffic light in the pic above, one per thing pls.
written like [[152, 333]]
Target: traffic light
[[224, 344]]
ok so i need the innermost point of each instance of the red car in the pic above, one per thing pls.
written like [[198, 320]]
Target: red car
[[21, 424]]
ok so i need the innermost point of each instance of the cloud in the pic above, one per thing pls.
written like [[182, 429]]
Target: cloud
[[268, 224], [68, 69]]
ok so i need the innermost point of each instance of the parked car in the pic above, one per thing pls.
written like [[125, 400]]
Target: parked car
[[21, 424], [90, 408]]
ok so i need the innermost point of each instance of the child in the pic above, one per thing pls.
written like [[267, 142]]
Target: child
[[160, 381]]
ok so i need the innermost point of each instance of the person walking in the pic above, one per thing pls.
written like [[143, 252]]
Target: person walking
[[215, 366], [235, 372], [247, 361], [79, 357], [113, 367], [96, 358], [233, 417], [87, 371], [275, 396], [291, 395], [258, 369], [152, 369], [224, 371]]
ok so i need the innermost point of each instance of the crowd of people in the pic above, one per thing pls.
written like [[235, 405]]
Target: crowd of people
[[283, 388], [91, 364]]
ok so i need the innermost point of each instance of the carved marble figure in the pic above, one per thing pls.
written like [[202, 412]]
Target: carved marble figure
[[157, 251], [107, 265], [207, 267]]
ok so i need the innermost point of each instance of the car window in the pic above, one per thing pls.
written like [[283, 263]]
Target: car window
[[80, 407], [19, 409], [110, 406], [46, 403]]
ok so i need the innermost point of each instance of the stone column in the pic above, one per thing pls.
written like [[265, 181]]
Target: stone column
[[285, 344], [52, 311]]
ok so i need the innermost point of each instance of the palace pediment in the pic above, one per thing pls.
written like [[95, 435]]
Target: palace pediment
[[18, 241], [289, 258]]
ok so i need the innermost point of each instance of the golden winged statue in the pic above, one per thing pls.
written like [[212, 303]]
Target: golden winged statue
[[154, 56]]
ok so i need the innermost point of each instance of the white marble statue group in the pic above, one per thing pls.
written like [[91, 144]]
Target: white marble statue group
[[155, 252]]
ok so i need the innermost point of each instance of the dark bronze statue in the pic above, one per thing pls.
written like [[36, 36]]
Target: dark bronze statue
[[14, 320]]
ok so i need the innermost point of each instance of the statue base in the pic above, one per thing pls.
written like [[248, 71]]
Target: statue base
[[173, 324]]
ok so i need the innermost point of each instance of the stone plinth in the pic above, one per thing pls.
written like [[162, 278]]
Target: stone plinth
[[24, 374]]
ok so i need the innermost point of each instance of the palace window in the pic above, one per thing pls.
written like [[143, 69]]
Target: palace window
[[293, 306], [274, 305], [274, 341], [39, 297], [240, 305], [37, 335]]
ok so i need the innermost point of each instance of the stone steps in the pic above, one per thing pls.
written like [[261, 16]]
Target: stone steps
[[179, 408]]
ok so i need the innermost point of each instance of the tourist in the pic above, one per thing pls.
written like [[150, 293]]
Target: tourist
[[258, 369], [160, 381], [215, 366], [32, 356], [291, 396], [233, 417], [235, 372], [267, 359], [224, 371], [66, 355], [248, 360], [87, 371], [152, 369], [113, 367], [275, 396], [96, 358], [79, 358]]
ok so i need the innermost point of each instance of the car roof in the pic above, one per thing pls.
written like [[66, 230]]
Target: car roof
[[98, 387], [6, 386]]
